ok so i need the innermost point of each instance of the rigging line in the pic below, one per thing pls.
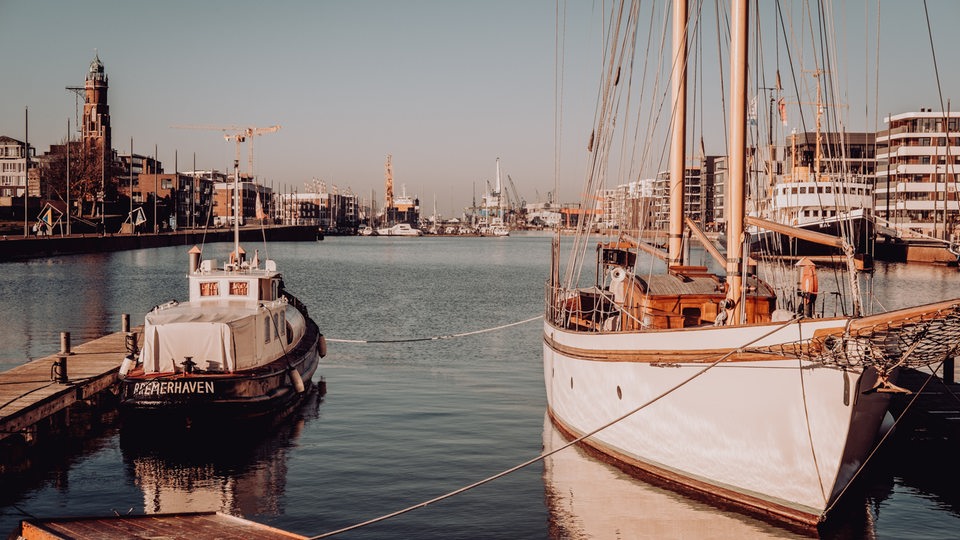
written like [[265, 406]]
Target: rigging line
[[878, 445], [545, 455], [436, 338], [933, 53], [806, 413]]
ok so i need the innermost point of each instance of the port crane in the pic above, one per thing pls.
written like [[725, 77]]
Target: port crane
[[239, 134]]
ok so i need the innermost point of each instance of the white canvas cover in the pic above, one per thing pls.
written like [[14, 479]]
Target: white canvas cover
[[220, 337]]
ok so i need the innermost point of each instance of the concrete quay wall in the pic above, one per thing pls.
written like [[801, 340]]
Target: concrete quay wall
[[14, 248]]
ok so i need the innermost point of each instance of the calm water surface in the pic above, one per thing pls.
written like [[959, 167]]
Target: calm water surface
[[405, 422]]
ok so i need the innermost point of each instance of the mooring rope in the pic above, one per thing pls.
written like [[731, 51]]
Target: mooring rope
[[435, 338], [545, 455]]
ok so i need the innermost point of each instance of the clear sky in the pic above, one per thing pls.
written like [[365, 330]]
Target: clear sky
[[445, 86]]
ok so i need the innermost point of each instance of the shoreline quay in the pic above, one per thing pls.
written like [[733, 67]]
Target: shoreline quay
[[19, 248]]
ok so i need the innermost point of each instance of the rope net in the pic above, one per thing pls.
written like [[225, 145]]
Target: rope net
[[915, 341]]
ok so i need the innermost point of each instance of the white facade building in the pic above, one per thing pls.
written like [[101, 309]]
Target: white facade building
[[917, 159]]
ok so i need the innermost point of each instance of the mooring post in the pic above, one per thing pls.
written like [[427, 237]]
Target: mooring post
[[61, 370], [65, 343], [125, 322]]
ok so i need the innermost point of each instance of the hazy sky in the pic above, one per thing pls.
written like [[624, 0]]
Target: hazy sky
[[445, 86]]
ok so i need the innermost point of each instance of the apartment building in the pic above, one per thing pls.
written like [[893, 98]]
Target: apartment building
[[916, 170], [13, 168]]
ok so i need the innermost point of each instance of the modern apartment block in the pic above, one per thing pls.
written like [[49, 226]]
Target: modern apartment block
[[916, 187]]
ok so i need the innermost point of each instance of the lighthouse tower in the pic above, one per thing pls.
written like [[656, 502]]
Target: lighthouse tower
[[96, 112]]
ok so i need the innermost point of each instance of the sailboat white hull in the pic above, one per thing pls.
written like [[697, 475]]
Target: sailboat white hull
[[770, 436]]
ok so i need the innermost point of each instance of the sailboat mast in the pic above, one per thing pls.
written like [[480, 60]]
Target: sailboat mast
[[236, 208], [677, 154], [736, 199]]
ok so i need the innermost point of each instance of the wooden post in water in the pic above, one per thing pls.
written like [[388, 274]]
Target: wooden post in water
[[125, 322]]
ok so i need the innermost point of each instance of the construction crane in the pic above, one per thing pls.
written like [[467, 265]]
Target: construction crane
[[239, 134], [520, 203]]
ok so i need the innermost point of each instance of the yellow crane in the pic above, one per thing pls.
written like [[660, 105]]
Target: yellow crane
[[238, 134]]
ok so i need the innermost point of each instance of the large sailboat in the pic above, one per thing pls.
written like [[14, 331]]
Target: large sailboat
[[695, 377]]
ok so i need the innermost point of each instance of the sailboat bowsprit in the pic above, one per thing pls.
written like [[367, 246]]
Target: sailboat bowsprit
[[698, 379]]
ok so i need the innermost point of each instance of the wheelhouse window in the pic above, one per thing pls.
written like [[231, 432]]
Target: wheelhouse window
[[209, 288], [238, 288]]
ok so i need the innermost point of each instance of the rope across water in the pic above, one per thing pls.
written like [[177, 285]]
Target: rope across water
[[435, 338], [545, 455]]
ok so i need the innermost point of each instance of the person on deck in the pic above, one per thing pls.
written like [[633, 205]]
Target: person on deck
[[808, 286]]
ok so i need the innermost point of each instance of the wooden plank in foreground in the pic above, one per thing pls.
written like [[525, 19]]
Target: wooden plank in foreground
[[187, 526]]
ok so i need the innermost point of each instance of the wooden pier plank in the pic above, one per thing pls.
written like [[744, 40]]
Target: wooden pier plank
[[192, 526], [28, 395]]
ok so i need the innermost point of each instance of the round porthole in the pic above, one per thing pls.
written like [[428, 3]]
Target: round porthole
[[619, 393]]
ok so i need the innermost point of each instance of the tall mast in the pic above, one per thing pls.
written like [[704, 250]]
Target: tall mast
[[736, 201], [236, 207], [677, 154]]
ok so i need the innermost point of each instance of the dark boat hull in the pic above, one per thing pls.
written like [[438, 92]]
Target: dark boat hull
[[212, 399], [858, 230]]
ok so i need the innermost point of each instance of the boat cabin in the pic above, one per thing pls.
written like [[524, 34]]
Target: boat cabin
[[238, 318], [685, 296]]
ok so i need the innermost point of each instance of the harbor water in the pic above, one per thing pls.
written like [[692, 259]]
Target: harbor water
[[430, 388]]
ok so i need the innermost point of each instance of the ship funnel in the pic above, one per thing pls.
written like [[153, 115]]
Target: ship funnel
[[194, 259]]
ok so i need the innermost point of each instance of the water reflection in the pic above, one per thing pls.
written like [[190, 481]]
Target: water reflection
[[239, 473], [587, 498]]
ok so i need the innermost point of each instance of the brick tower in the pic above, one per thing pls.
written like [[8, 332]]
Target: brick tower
[[96, 112]]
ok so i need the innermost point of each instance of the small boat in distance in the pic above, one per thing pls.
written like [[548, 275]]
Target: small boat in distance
[[400, 229], [242, 348]]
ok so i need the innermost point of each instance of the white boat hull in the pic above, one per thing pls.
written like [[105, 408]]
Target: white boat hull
[[770, 436]]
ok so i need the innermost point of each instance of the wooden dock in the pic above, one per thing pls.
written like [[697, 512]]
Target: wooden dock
[[36, 397], [192, 526]]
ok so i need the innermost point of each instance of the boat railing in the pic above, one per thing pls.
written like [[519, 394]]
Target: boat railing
[[294, 301], [587, 309]]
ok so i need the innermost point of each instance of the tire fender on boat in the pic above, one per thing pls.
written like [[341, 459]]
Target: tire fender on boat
[[125, 366], [322, 346], [297, 380]]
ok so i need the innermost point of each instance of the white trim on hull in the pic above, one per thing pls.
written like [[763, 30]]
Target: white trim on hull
[[771, 436]]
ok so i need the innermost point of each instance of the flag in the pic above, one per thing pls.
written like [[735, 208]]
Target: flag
[[779, 87], [259, 208], [782, 105]]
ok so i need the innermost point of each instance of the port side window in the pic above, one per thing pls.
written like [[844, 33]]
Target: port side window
[[266, 329], [238, 288], [209, 288], [276, 325], [282, 324]]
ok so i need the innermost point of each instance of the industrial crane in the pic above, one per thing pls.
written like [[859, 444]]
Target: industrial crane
[[238, 134]]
